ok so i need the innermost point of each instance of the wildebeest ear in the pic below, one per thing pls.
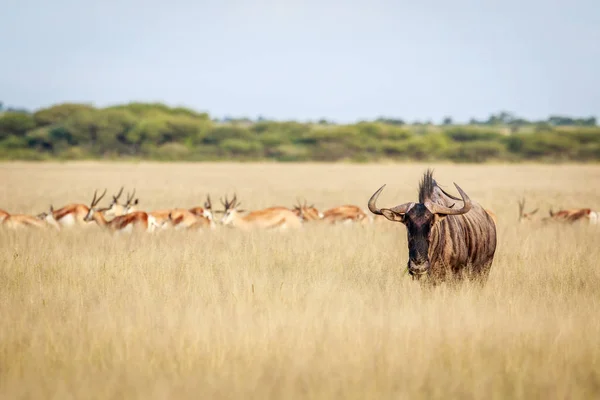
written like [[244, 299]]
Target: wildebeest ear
[[392, 216]]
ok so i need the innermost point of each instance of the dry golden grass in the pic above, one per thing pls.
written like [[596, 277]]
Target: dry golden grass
[[325, 312]]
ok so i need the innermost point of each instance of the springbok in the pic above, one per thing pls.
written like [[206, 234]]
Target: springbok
[[196, 216], [573, 215], [20, 221], [68, 216], [180, 218], [115, 209], [123, 223], [269, 218], [205, 212], [444, 242], [343, 214], [525, 216], [305, 212]]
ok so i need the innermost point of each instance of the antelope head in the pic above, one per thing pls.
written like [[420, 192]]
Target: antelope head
[[114, 208], [90, 215], [306, 212], [131, 204], [525, 216], [230, 210], [48, 217], [208, 208]]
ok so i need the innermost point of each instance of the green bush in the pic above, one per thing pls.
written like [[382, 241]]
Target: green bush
[[15, 124], [59, 113], [476, 151], [472, 134], [241, 147], [157, 131]]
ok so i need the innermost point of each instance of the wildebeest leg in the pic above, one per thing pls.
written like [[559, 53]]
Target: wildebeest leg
[[481, 276]]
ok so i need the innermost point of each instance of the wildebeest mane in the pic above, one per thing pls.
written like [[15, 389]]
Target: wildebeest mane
[[428, 186]]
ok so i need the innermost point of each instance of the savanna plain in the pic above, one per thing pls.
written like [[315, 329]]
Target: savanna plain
[[323, 312]]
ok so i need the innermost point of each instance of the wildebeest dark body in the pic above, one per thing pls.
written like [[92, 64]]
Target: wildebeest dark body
[[446, 241]]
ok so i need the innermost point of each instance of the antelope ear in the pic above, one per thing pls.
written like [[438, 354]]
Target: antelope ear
[[392, 216]]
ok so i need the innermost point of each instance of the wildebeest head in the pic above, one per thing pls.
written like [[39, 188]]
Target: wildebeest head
[[419, 219]]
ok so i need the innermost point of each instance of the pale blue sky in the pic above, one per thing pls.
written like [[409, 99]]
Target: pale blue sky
[[306, 59]]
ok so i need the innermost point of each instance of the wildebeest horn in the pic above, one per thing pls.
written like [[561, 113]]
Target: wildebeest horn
[[401, 209], [439, 209]]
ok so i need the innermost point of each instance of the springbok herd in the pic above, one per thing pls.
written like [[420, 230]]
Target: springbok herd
[[125, 217]]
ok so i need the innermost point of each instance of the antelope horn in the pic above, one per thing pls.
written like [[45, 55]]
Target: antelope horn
[[129, 199], [95, 201], [439, 209], [119, 194], [401, 209]]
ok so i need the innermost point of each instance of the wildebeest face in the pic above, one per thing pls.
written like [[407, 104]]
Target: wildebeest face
[[419, 223]]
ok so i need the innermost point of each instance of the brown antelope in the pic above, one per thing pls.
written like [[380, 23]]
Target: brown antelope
[[573, 215], [180, 218], [523, 216], [345, 214], [19, 221], [123, 223], [307, 213], [74, 214], [115, 209], [205, 212], [67, 216], [173, 217], [341, 214], [269, 218]]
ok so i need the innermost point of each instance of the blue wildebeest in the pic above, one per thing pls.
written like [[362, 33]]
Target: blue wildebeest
[[444, 242]]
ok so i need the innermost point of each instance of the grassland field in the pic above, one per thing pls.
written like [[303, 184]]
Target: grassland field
[[324, 312]]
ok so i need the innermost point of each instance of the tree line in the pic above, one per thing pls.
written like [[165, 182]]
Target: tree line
[[153, 131]]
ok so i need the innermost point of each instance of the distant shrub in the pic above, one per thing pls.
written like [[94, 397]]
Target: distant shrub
[[476, 151], [157, 131]]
